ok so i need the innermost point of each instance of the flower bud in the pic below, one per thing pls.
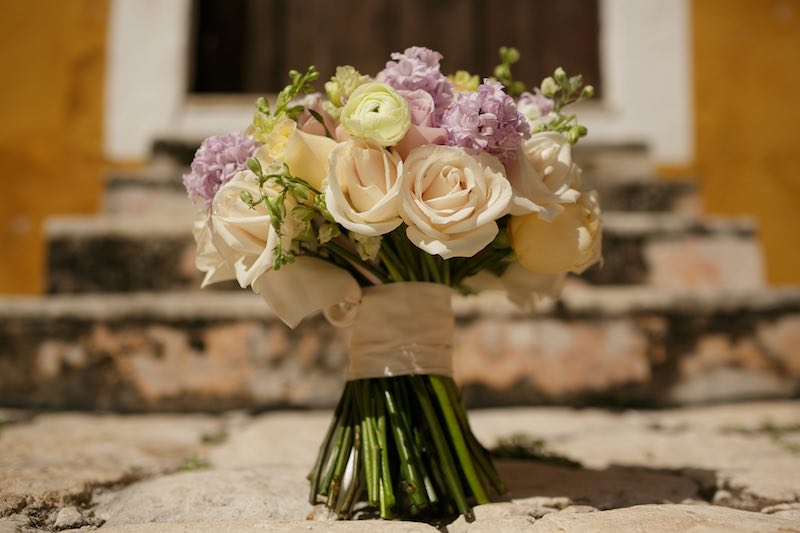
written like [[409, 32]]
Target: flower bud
[[587, 92], [560, 76], [548, 87]]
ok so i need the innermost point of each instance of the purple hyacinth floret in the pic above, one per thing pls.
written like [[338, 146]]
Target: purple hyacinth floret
[[217, 160], [418, 68], [546, 105], [486, 121]]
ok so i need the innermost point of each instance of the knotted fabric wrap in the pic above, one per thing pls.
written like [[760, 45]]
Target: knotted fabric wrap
[[401, 329]]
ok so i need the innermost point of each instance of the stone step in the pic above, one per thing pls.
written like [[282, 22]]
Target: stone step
[[215, 351], [133, 253], [154, 192]]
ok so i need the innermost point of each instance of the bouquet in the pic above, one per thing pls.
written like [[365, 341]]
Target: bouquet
[[373, 203]]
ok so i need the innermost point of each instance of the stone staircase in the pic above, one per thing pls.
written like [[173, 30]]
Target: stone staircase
[[678, 314]]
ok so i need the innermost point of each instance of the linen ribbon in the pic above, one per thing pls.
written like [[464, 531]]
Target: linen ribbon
[[398, 329]]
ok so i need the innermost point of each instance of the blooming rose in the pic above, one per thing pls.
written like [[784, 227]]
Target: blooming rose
[[305, 154], [420, 104], [550, 153], [242, 235], [207, 259], [570, 242], [363, 187], [376, 112], [451, 200]]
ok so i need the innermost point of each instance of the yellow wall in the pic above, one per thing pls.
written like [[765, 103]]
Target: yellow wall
[[52, 55], [747, 87]]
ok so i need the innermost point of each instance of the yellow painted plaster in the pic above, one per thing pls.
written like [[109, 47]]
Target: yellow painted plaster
[[747, 90], [52, 55]]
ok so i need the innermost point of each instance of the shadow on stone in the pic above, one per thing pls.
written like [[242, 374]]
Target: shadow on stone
[[609, 488]]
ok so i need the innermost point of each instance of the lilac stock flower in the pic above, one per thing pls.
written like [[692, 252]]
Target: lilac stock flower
[[418, 68], [486, 121], [544, 104], [217, 160]]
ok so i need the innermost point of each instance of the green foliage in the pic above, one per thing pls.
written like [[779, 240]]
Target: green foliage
[[265, 119], [502, 72], [565, 90]]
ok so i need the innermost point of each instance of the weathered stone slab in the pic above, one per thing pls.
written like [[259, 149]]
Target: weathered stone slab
[[216, 351], [57, 461], [156, 252], [665, 519]]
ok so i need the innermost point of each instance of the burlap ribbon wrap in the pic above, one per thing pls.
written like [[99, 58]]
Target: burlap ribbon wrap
[[400, 329]]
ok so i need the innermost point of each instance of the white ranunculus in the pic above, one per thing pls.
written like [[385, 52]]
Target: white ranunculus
[[244, 236], [207, 258], [363, 187], [451, 200], [378, 113], [571, 242]]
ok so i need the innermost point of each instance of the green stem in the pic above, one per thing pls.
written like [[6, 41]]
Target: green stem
[[432, 267], [402, 439], [457, 439], [442, 450], [394, 272], [345, 509], [338, 441], [478, 451], [316, 472], [387, 493], [356, 261], [341, 463]]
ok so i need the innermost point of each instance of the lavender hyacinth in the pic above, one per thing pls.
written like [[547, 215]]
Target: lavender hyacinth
[[217, 160], [418, 68], [486, 121]]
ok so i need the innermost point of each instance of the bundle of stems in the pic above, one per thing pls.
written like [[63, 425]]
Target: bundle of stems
[[402, 447]]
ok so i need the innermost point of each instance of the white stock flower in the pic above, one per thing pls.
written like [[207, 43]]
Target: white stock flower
[[363, 187], [451, 200]]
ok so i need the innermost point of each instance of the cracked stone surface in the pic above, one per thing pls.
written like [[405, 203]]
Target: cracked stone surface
[[721, 468]]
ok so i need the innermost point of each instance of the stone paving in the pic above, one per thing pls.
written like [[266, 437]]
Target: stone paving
[[732, 468]]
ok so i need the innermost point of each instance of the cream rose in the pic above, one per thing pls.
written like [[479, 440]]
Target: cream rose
[[570, 242], [523, 287], [305, 154], [363, 187], [378, 113], [207, 258], [451, 200], [550, 154], [244, 236]]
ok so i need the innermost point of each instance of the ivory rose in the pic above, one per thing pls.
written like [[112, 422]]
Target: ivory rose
[[451, 200], [550, 154], [207, 258], [305, 154], [377, 113], [570, 242], [244, 236], [364, 187]]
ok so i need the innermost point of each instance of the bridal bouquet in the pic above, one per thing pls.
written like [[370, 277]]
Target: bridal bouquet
[[373, 203]]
